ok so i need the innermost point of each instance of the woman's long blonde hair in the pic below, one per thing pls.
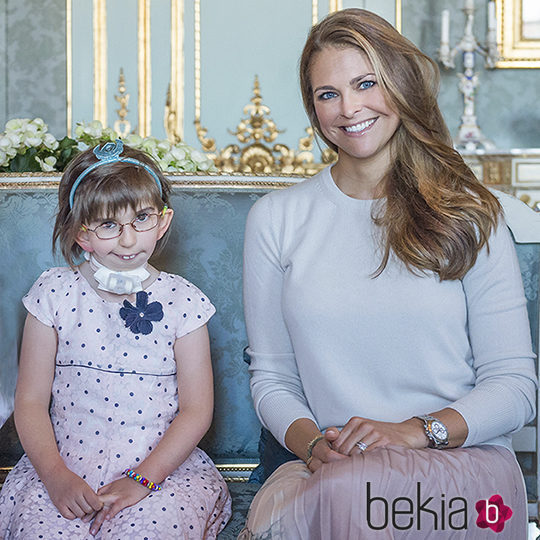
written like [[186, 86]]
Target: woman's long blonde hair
[[437, 215]]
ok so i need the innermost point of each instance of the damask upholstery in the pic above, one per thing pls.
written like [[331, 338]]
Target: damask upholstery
[[205, 246], [529, 261]]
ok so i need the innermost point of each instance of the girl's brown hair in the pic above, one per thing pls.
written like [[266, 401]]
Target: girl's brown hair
[[103, 192], [437, 215]]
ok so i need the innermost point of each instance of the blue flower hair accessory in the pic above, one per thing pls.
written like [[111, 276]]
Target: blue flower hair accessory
[[110, 153], [138, 317]]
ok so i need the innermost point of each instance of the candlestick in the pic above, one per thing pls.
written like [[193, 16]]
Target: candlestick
[[492, 21], [469, 137], [445, 26]]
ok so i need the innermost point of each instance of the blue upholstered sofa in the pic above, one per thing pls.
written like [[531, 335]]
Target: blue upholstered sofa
[[205, 247]]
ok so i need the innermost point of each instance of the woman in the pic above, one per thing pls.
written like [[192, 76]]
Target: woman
[[388, 334]]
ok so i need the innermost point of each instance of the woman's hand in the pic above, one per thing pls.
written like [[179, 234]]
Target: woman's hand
[[73, 497], [409, 433], [115, 497], [323, 453]]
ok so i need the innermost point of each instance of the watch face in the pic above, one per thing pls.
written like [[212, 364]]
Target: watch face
[[439, 431]]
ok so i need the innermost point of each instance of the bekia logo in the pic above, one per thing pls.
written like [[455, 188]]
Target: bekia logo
[[492, 513], [420, 513], [429, 513]]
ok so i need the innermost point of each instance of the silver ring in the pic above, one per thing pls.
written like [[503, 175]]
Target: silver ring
[[361, 446]]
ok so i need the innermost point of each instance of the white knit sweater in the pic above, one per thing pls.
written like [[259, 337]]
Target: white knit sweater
[[328, 341]]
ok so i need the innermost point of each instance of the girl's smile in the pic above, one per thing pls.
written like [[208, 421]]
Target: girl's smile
[[131, 248]]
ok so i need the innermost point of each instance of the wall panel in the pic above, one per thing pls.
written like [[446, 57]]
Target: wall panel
[[3, 67], [35, 61], [251, 43]]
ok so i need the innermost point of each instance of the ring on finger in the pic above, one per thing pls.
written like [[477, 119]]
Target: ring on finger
[[361, 446]]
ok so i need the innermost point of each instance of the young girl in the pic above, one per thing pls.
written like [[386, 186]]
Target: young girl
[[123, 350]]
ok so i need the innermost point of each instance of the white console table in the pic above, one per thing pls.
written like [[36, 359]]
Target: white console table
[[514, 171]]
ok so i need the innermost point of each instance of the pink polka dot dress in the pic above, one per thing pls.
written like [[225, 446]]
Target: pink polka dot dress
[[114, 394]]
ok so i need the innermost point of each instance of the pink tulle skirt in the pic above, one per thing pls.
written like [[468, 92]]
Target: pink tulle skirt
[[395, 493]]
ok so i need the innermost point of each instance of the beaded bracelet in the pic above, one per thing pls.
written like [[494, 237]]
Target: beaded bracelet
[[142, 480]]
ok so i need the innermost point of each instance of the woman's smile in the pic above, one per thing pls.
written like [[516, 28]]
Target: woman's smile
[[350, 105], [359, 128]]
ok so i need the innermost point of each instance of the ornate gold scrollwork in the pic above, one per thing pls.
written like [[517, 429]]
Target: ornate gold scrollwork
[[208, 144], [170, 119], [122, 126], [259, 125], [256, 157]]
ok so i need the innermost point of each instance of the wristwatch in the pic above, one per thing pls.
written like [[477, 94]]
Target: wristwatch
[[435, 430]]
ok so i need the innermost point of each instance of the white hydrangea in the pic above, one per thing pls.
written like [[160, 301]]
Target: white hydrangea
[[23, 133], [47, 164], [8, 146], [28, 133], [16, 124], [93, 129], [15, 138], [50, 142], [4, 159], [134, 140]]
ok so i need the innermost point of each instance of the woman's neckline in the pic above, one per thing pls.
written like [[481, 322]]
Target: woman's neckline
[[107, 297], [338, 196]]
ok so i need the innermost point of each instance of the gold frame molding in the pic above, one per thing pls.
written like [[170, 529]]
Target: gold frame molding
[[198, 180], [99, 32], [515, 51], [144, 69], [399, 15], [99, 23], [242, 470], [176, 120]]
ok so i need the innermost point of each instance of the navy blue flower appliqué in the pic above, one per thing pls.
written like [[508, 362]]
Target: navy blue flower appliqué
[[138, 317]]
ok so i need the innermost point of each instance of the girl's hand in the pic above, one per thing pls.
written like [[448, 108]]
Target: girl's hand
[[73, 497], [115, 497], [409, 434]]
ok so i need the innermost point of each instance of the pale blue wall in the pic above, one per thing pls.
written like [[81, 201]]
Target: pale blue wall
[[239, 39], [82, 76], [3, 48], [508, 109], [32, 64], [233, 53]]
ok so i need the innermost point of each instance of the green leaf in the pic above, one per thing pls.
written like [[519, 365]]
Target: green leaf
[[66, 151], [25, 162]]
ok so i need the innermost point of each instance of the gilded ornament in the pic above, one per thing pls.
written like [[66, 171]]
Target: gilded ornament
[[255, 155], [122, 126]]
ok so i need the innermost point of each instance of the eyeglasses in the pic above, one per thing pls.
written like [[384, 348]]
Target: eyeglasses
[[142, 223]]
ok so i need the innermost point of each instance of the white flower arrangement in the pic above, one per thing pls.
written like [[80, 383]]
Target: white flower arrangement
[[171, 157], [25, 140], [27, 146]]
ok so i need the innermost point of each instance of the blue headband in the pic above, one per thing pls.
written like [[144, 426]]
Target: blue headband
[[110, 153]]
